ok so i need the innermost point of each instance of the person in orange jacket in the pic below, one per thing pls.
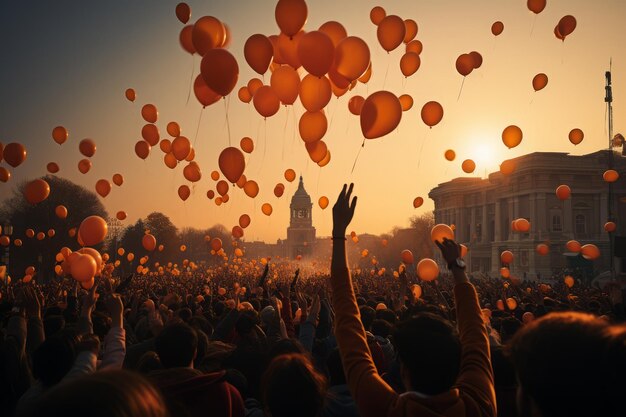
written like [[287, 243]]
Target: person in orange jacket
[[444, 374]]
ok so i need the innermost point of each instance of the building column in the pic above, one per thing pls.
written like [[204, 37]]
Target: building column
[[497, 233], [542, 213], [567, 218], [533, 216], [512, 217], [604, 211], [472, 228], [484, 236]]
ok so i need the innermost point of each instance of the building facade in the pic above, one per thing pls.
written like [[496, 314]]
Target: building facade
[[482, 211], [300, 233]]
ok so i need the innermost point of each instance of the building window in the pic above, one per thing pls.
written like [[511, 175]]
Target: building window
[[581, 227], [556, 223]]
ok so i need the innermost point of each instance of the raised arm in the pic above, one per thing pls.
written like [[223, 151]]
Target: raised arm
[[372, 395], [476, 375]]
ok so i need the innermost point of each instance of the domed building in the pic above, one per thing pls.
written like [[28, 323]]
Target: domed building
[[300, 233]]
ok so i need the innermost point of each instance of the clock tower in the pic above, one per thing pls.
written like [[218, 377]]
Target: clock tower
[[300, 233]]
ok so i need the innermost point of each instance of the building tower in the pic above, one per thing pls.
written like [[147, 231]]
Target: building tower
[[300, 233]]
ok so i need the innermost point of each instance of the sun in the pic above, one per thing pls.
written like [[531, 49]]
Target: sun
[[486, 157]]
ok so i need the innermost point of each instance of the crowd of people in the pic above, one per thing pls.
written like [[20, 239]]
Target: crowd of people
[[320, 345]]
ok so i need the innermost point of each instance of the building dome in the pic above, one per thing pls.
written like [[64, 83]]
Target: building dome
[[301, 198]]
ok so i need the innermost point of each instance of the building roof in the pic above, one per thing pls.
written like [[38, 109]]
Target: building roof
[[301, 197]]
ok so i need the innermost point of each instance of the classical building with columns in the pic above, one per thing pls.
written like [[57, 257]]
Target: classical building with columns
[[482, 211], [300, 233]]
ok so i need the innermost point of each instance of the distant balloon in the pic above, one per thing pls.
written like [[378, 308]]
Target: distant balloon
[[432, 113], [184, 192], [130, 94], [208, 33], [407, 257], [377, 14], [52, 167], [316, 52], [566, 25], [315, 92], [464, 64], [220, 71], [409, 63], [449, 155], [427, 269], [285, 82], [266, 101], [266, 208], [536, 6], [563, 192], [512, 136], [118, 179], [468, 166], [312, 126], [507, 167], [103, 187], [417, 202], [92, 230], [440, 231], [352, 58], [142, 149], [232, 163], [36, 191], [390, 32], [540, 81], [59, 134], [406, 101], [148, 242], [246, 144], [410, 26], [497, 28], [244, 221], [14, 154], [251, 188], [576, 136], [204, 94], [355, 104]]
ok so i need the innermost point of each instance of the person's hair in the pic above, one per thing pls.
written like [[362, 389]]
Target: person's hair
[[508, 327], [381, 328], [52, 324], [54, 358], [292, 387], [102, 394], [368, 315], [387, 315], [185, 314], [176, 345], [429, 348], [571, 364], [149, 362]]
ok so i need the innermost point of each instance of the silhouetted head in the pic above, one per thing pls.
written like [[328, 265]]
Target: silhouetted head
[[176, 345]]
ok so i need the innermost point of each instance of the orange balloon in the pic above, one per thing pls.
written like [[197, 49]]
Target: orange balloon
[[192, 172], [244, 221], [266, 101], [30, 233], [87, 147], [60, 211], [317, 150], [84, 165], [290, 175], [210, 194], [410, 27], [181, 147], [246, 144], [291, 16], [244, 94], [576, 136], [377, 14], [14, 154], [312, 126], [183, 12], [573, 246], [148, 242], [522, 225], [170, 160], [288, 49], [439, 231], [316, 52], [150, 133], [407, 257], [315, 92], [507, 167], [335, 31], [52, 168], [610, 227], [569, 281], [505, 272], [149, 113], [464, 64], [563, 192], [590, 251], [427, 269], [536, 6], [381, 114], [130, 94], [610, 175], [355, 105], [506, 257], [5, 240], [497, 28], [5, 175], [390, 32], [92, 230], [208, 33], [237, 233], [285, 82], [449, 155], [59, 134], [366, 75], [409, 63], [216, 244], [258, 51], [512, 136], [414, 46], [323, 202], [324, 160], [204, 94], [566, 25], [540, 81], [432, 113], [222, 187], [232, 163], [417, 202], [352, 58], [242, 181], [468, 166], [558, 34], [118, 179], [215, 175], [406, 102], [142, 149], [18, 242], [186, 41], [266, 208], [103, 187], [184, 192], [253, 85], [165, 145], [477, 59], [83, 267], [120, 215], [220, 71], [36, 191]]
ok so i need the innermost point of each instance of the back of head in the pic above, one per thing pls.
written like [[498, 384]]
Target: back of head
[[368, 315], [569, 363], [292, 387], [430, 350], [176, 345], [102, 394], [53, 359]]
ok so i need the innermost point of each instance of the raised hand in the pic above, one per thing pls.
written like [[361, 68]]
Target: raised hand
[[32, 305], [450, 250], [343, 210], [89, 300], [115, 307]]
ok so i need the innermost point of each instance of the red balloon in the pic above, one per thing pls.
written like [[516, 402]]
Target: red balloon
[[335, 31], [14, 154], [36, 191], [150, 133], [355, 105], [59, 134], [258, 51], [566, 25], [464, 64], [352, 58], [266, 101], [390, 32], [142, 149], [183, 12], [220, 71], [316, 52], [315, 93], [208, 33], [186, 41], [203, 93], [536, 6], [285, 82], [290, 16], [497, 28], [103, 187], [149, 113], [149, 242], [432, 113], [184, 192]]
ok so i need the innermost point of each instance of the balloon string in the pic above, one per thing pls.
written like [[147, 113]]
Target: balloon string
[[226, 106], [357, 156], [386, 72], [461, 89], [198, 128], [285, 133], [532, 27], [193, 67], [264, 140]]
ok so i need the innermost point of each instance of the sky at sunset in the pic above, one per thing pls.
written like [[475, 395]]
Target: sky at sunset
[[69, 62]]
